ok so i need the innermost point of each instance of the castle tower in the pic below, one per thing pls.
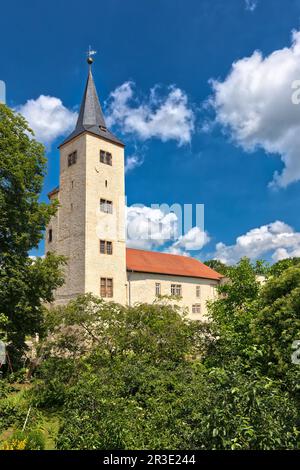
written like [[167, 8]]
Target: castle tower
[[89, 227]]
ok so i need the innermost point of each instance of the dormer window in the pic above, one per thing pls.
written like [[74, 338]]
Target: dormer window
[[72, 158], [105, 157]]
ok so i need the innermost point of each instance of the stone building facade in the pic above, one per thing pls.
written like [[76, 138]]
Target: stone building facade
[[89, 226]]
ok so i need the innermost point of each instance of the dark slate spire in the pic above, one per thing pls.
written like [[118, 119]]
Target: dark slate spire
[[91, 117], [90, 114]]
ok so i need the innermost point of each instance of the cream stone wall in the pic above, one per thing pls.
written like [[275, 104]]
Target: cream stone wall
[[141, 288], [79, 224], [68, 225], [107, 182]]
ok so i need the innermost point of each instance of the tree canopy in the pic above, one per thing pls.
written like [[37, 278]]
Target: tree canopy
[[146, 377], [25, 283]]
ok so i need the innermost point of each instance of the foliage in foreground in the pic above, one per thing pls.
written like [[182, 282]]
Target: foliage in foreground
[[21, 440], [24, 283], [147, 378]]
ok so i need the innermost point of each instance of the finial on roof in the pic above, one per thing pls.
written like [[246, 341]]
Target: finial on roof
[[90, 118], [90, 54]]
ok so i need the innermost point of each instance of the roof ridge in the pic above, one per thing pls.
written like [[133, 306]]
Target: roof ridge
[[184, 266], [167, 254]]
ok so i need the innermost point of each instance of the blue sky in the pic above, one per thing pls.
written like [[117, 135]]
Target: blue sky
[[179, 45]]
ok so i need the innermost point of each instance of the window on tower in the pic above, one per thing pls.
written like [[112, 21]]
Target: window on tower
[[106, 287], [106, 206], [72, 158], [50, 235], [106, 247], [105, 157]]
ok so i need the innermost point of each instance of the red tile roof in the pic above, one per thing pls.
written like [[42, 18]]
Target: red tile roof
[[162, 263]]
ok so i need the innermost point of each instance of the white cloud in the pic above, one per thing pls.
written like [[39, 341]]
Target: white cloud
[[149, 228], [277, 239], [48, 118], [176, 251], [132, 162], [164, 117], [254, 104], [251, 5], [194, 239]]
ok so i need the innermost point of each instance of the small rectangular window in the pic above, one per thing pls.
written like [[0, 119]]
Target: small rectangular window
[[102, 156], [106, 287], [50, 235], [106, 206], [72, 158], [196, 308], [105, 157], [106, 247], [109, 288], [176, 290], [198, 292], [157, 289], [103, 287], [109, 207]]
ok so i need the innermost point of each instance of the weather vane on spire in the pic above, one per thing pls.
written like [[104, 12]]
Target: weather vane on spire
[[90, 54]]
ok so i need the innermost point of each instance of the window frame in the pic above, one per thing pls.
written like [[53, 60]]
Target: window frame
[[105, 157], [106, 247], [106, 206], [196, 309], [109, 247], [176, 290], [72, 158], [106, 287], [157, 289]]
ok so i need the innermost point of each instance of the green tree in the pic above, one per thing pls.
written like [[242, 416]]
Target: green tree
[[276, 326], [217, 265], [24, 283], [278, 268], [230, 315], [139, 378]]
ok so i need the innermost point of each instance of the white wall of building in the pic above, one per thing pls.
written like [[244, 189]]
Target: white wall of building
[[141, 289]]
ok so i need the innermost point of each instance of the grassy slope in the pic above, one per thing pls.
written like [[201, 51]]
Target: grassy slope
[[48, 422]]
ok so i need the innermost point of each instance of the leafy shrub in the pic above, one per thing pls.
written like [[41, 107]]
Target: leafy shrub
[[22, 440], [134, 405], [11, 414], [52, 382], [13, 444], [132, 378]]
